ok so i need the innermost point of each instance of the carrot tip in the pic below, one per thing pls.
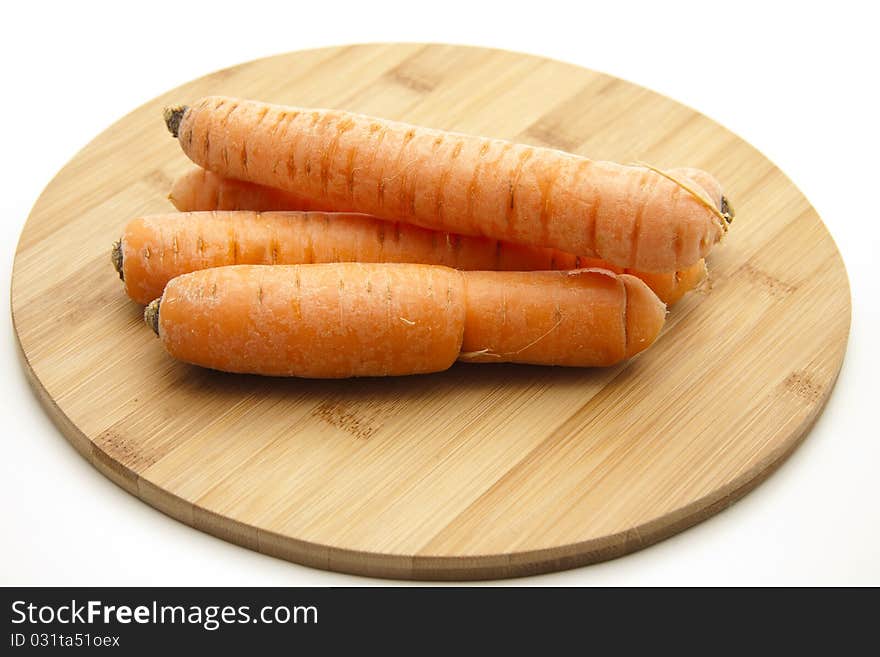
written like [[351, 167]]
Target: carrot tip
[[116, 258], [151, 315], [173, 116]]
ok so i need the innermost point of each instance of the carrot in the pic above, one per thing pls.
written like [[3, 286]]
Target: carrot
[[321, 321], [154, 249], [355, 319], [630, 216]]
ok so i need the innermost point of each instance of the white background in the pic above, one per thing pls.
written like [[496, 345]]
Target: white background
[[797, 80]]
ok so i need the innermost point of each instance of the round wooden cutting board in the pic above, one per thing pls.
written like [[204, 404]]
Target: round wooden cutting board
[[482, 471]]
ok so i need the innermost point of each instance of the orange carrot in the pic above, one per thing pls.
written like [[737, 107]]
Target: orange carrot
[[354, 319], [630, 216], [155, 249]]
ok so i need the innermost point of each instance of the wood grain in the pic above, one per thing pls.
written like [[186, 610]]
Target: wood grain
[[482, 471]]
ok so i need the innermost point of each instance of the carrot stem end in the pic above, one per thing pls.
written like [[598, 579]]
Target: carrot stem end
[[116, 258], [151, 315], [173, 115], [727, 210]]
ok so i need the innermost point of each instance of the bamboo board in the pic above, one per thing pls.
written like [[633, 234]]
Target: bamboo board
[[482, 471]]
